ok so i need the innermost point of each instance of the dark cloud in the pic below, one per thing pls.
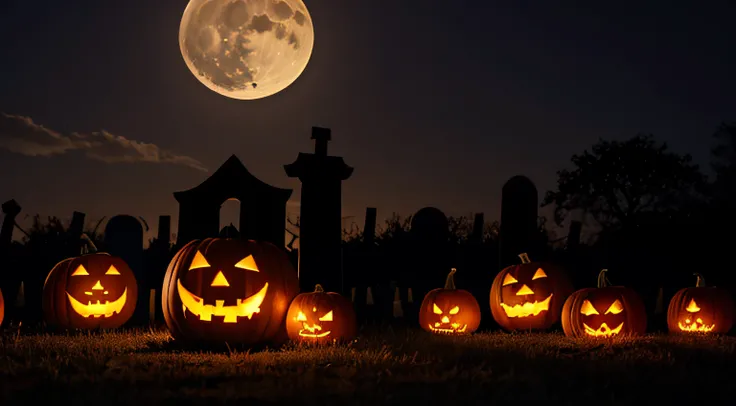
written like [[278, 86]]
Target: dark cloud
[[21, 135]]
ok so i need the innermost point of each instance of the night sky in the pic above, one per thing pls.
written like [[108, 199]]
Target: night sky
[[433, 105]]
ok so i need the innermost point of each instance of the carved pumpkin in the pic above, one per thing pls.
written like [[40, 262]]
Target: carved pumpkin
[[94, 290], [529, 296], [228, 290], [321, 317], [701, 310], [605, 311], [449, 310]]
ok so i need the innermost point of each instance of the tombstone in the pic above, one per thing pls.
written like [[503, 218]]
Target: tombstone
[[124, 239], [11, 209], [320, 218], [429, 257], [519, 215], [369, 229], [73, 241], [476, 237], [9, 280], [262, 206], [156, 260]]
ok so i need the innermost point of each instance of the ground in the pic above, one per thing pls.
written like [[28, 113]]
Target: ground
[[402, 367]]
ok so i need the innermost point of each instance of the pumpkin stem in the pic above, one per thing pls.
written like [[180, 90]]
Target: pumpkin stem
[[319, 289], [602, 280], [701, 281], [88, 247], [525, 258], [450, 282]]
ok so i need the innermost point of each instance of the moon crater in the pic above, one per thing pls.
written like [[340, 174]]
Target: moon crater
[[246, 49]]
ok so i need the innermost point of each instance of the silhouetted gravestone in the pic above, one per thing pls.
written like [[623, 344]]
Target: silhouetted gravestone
[[11, 209], [10, 274], [429, 259], [320, 219], [156, 260], [476, 237], [519, 213], [262, 206], [124, 239]]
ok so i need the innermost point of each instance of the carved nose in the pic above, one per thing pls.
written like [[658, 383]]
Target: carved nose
[[220, 280], [98, 286], [524, 291], [445, 319]]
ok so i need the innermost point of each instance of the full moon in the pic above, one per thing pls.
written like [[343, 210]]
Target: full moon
[[246, 49]]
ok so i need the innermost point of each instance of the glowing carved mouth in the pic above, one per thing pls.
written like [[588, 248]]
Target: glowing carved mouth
[[455, 328], [244, 307], [98, 309], [603, 330], [696, 326], [528, 308], [312, 331]]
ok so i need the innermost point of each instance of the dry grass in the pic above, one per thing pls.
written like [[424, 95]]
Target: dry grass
[[402, 367]]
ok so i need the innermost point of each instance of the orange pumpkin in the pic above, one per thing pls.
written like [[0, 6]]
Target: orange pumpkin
[[91, 291], [605, 311], [449, 310], [701, 309], [529, 296], [228, 290], [321, 317]]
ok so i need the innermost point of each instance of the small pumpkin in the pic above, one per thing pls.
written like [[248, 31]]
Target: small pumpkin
[[449, 310], [228, 290], [529, 296], [321, 317], [701, 309], [93, 290], [605, 311]]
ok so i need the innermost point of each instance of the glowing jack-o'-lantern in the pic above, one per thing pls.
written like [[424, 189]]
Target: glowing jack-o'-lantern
[[94, 290], [700, 309], [529, 295], [605, 311], [449, 310], [320, 317], [228, 290]]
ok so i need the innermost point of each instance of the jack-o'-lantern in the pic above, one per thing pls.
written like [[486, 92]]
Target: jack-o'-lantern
[[321, 317], [94, 290], [604, 312], [228, 290], [449, 310], [701, 309], [529, 296]]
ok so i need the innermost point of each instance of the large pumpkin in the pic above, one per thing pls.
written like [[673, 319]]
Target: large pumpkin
[[449, 310], [701, 309], [321, 317], [91, 291], [605, 311], [529, 296], [228, 290]]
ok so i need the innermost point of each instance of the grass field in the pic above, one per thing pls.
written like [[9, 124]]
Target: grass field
[[404, 367]]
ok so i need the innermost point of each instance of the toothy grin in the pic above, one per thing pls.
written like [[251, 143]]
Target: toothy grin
[[244, 308], [455, 329], [99, 309], [312, 331], [527, 309], [603, 330]]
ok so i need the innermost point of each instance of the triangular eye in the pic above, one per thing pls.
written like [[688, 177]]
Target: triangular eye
[[508, 280], [112, 271], [455, 310], [588, 309], [80, 271], [539, 274], [616, 308], [248, 263], [199, 262], [326, 317], [435, 309]]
